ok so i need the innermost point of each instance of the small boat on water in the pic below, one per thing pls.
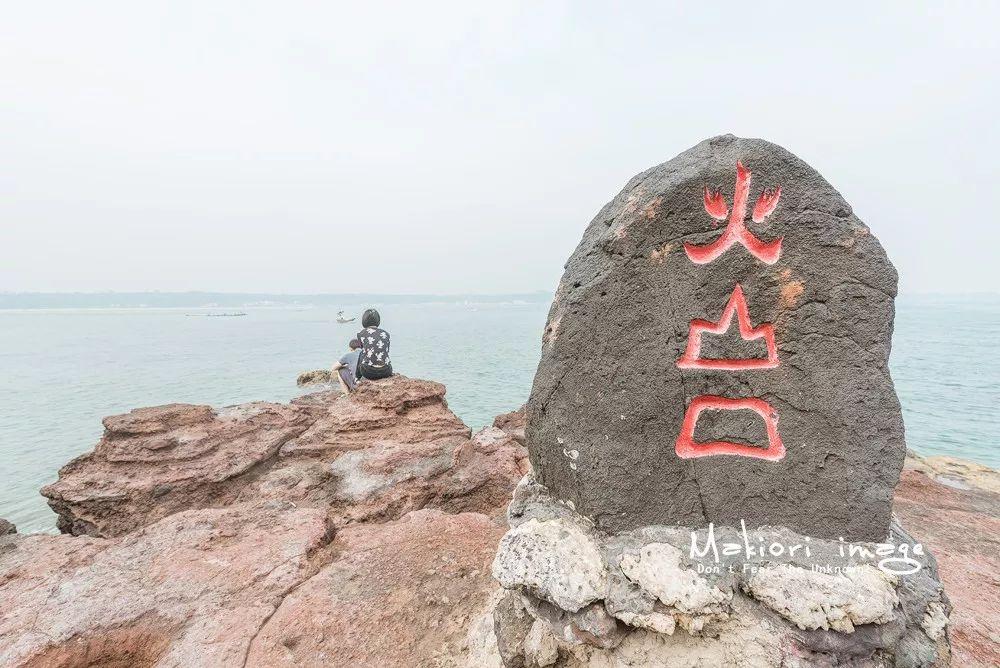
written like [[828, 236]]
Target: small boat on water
[[215, 315], [341, 319]]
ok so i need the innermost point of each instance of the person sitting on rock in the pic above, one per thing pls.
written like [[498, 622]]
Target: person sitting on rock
[[374, 363], [347, 367]]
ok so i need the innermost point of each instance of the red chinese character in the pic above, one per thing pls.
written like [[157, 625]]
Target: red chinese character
[[688, 448], [691, 359], [736, 231]]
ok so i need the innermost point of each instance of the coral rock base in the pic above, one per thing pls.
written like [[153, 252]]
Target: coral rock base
[[720, 596]]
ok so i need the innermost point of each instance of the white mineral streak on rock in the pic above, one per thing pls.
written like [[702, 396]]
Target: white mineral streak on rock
[[356, 484], [751, 645], [657, 570], [555, 559], [935, 619], [481, 640], [540, 646], [813, 600], [654, 621]]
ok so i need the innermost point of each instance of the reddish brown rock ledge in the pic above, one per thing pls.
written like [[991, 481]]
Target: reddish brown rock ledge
[[343, 532], [953, 506], [391, 447], [330, 531]]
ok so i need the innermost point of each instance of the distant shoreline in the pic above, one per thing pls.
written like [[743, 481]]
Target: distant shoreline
[[32, 301], [25, 301]]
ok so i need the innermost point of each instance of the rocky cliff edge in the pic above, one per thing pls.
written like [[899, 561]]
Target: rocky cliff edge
[[329, 531], [343, 531]]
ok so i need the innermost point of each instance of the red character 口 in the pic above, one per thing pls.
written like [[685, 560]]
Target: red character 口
[[687, 448]]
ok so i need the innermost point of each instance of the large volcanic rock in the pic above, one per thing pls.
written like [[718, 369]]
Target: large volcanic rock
[[660, 398]]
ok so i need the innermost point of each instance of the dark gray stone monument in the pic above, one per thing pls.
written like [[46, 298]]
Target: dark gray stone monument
[[717, 351]]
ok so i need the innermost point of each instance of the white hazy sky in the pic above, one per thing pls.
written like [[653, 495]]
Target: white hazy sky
[[429, 147]]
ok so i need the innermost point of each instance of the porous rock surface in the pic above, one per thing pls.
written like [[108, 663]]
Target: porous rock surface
[[7, 527], [332, 531], [658, 595], [609, 397], [556, 556], [315, 377]]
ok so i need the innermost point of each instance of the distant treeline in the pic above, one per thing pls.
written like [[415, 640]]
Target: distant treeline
[[39, 300]]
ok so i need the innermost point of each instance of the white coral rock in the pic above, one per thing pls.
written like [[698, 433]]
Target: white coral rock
[[934, 621], [691, 599], [657, 569], [813, 600], [555, 559], [654, 621]]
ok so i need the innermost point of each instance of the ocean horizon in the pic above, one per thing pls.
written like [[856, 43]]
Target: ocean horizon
[[72, 359], [110, 299]]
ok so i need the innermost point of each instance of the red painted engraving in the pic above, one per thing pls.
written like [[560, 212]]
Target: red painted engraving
[[687, 448], [737, 305], [736, 231], [765, 205], [715, 204]]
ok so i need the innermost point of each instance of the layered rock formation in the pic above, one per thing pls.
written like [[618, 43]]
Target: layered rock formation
[[954, 506], [389, 448], [267, 582], [332, 531], [193, 589]]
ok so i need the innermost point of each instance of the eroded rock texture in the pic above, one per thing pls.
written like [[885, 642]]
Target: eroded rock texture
[[259, 581], [669, 257], [334, 531], [390, 447], [400, 593], [954, 507], [316, 377], [767, 597], [190, 590]]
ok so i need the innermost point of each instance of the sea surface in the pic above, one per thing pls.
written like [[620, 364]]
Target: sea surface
[[62, 370]]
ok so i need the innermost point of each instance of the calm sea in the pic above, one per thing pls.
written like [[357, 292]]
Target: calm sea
[[63, 370]]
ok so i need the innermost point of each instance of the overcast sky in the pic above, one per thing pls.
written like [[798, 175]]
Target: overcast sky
[[426, 147]]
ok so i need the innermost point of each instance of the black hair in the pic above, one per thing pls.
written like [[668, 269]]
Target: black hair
[[354, 344], [371, 318]]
